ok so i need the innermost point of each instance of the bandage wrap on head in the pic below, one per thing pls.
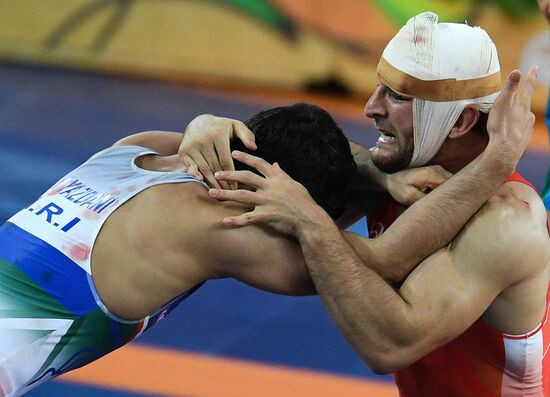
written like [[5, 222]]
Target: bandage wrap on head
[[444, 67]]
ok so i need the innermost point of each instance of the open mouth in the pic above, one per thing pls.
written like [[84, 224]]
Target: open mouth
[[386, 137]]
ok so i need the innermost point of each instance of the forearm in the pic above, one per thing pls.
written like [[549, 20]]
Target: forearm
[[165, 143], [375, 259], [432, 222], [353, 295]]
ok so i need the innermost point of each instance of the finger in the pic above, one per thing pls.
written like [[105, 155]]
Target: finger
[[192, 167], [223, 151], [276, 166], [256, 162], [525, 93], [436, 175], [226, 161], [207, 162], [246, 136], [239, 196], [507, 94], [415, 195], [205, 170], [211, 157], [245, 219], [244, 177]]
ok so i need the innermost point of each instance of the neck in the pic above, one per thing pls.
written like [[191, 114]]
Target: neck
[[456, 154]]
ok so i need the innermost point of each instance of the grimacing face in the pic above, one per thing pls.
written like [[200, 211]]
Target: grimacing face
[[392, 114]]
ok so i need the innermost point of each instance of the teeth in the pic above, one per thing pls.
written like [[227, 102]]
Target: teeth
[[386, 138]]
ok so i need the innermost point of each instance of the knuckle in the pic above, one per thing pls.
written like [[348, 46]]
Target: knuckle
[[248, 176], [243, 195], [201, 146], [249, 217]]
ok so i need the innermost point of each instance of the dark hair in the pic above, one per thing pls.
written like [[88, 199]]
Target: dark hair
[[310, 147]]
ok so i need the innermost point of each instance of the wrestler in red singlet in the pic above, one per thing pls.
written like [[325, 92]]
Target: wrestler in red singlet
[[482, 361]]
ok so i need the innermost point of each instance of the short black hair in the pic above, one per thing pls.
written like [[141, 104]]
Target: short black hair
[[310, 147]]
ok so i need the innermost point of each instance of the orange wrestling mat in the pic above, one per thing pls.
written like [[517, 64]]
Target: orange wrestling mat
[[154, 370]]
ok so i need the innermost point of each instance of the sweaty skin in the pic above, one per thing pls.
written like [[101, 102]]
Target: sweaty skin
[[142, 262], [190, 245], [498, 266]]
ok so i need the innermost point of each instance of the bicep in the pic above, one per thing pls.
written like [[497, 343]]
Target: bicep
[[446, 296], [452, 288]]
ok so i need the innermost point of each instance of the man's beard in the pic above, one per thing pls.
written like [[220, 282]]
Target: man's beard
[[396, 162]]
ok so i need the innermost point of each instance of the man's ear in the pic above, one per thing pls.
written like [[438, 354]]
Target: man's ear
[[465, 123]]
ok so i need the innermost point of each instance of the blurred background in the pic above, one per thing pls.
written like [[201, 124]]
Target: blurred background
[[76, 75]]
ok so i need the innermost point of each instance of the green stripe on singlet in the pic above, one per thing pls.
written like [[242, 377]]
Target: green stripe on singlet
[[88, 337], [21, 297]]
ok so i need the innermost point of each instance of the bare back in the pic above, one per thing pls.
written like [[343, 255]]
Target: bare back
[[169, 238]]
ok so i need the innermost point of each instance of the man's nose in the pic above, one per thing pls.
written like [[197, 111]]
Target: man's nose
[[376, 105]]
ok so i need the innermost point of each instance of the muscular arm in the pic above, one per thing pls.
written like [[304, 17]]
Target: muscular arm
[[416, 234], [420, 230], [376, 319], [432, 222], [401, 248], [390, 329]]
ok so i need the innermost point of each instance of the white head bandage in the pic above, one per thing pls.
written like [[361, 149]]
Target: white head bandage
[[444, 66]]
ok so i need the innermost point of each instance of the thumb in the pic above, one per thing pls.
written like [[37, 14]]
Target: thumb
[[411, 197], [437, 175]]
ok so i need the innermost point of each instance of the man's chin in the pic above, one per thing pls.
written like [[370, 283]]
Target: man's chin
[[386, 163]]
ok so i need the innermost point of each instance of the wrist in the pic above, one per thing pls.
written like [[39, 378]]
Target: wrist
[[498, 163], [315, 229]]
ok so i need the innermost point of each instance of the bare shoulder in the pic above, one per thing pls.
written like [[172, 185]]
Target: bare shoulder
[[133, 139], [183, 220], [255, 254], [509, 233], [524, 209], [185, 207]]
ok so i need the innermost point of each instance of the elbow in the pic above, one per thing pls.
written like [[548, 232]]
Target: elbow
[[393, 351], [399, 270], [381, 369], [385, 365], [388, 362], [392, 267]]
